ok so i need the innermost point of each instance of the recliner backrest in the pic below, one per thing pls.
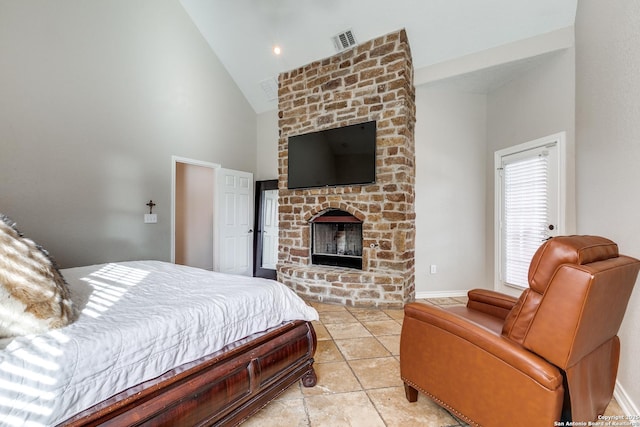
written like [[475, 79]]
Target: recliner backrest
[[577, 250], [579, 269]]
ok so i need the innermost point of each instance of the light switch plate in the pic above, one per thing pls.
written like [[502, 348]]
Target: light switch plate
[[150, 218]]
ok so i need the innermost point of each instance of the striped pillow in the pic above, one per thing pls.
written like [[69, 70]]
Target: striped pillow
[[34, 296]]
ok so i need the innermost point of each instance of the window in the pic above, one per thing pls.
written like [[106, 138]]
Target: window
[[529, 206]]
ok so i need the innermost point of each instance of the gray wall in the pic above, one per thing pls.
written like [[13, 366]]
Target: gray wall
[[531, 106], [608, 147], [457, 132], [96, 98], [451, 144]]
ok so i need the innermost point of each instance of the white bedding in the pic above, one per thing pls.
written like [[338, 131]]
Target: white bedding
[[139, 319]]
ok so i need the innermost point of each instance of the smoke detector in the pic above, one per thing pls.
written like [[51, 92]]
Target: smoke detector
[[344, 40]]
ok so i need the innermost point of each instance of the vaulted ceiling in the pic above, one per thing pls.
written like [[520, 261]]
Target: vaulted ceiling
[[242, 33]]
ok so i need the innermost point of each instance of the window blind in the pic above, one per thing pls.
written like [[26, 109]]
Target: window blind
[[525, 222]]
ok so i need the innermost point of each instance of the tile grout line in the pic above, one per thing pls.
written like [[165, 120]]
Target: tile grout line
[[366, 391], [305, 406], [388, 317], [351, 367]]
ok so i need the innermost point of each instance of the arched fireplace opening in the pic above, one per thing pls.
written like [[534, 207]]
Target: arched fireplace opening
[[336, 239]]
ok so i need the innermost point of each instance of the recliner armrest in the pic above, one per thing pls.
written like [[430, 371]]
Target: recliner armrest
[[475, 372], [491, 302], [485, 341]]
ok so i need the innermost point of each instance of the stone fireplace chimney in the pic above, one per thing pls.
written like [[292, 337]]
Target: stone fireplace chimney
[[373, 81]]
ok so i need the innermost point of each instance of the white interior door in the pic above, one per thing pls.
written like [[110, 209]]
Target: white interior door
[[233, 239]]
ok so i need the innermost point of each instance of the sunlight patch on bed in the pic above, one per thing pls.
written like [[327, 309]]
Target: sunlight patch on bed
[[36, 360], [31, 407], [26, 390], [32, 380], [26, 373], [106, 292], [45, 347], [104, 302], [121, 274], [18, 422], [109, 284], [59, 336]]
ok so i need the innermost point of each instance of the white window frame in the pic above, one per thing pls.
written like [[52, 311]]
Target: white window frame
[[560, 140]]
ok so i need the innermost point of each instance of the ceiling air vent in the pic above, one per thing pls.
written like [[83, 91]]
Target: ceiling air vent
[[270, 88], [344, 40]]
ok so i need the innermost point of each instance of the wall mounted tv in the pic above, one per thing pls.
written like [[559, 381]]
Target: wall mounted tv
[[339, 156]]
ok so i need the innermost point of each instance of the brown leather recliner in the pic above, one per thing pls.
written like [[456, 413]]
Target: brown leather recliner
[[552, 354]]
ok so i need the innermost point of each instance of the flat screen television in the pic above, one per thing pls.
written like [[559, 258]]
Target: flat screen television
[[332, 157]]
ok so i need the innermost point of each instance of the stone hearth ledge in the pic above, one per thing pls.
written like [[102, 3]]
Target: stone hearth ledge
[[347, 286]]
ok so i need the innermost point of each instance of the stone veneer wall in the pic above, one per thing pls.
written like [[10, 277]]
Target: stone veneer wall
[[373, 81]]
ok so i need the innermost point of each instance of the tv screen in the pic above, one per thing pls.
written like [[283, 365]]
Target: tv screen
[[340, 156]]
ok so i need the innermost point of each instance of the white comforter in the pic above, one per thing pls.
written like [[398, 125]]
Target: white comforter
[[139, 319]]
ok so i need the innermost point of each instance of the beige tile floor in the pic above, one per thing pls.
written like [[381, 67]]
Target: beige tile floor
[[357, 363]]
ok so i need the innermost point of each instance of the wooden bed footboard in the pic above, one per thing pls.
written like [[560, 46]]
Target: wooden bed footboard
[[223, 388]]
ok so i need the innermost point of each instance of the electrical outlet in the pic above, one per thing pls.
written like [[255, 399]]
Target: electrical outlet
[[434, 269]]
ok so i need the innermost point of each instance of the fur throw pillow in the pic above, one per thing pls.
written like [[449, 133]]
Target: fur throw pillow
[[34, 296]]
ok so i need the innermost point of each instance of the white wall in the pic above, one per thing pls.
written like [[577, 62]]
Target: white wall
[[450, 189], [267, 140], [537, 103], [608, 150], [96, 98]]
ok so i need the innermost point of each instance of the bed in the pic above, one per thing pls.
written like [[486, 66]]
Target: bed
[[159, 344]]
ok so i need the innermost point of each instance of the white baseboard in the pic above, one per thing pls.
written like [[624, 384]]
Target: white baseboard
[[441, 294], [625, 402]]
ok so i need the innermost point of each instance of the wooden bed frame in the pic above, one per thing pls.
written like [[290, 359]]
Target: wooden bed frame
[[223, 388]]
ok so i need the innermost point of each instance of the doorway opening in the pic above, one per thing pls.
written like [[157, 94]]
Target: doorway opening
[[192, 207], [265, 243], [211, 217]]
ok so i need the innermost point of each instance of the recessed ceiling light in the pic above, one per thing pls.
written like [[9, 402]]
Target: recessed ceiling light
[[277, 50]]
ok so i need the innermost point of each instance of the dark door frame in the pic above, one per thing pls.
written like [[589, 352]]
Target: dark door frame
[[258, 271]]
